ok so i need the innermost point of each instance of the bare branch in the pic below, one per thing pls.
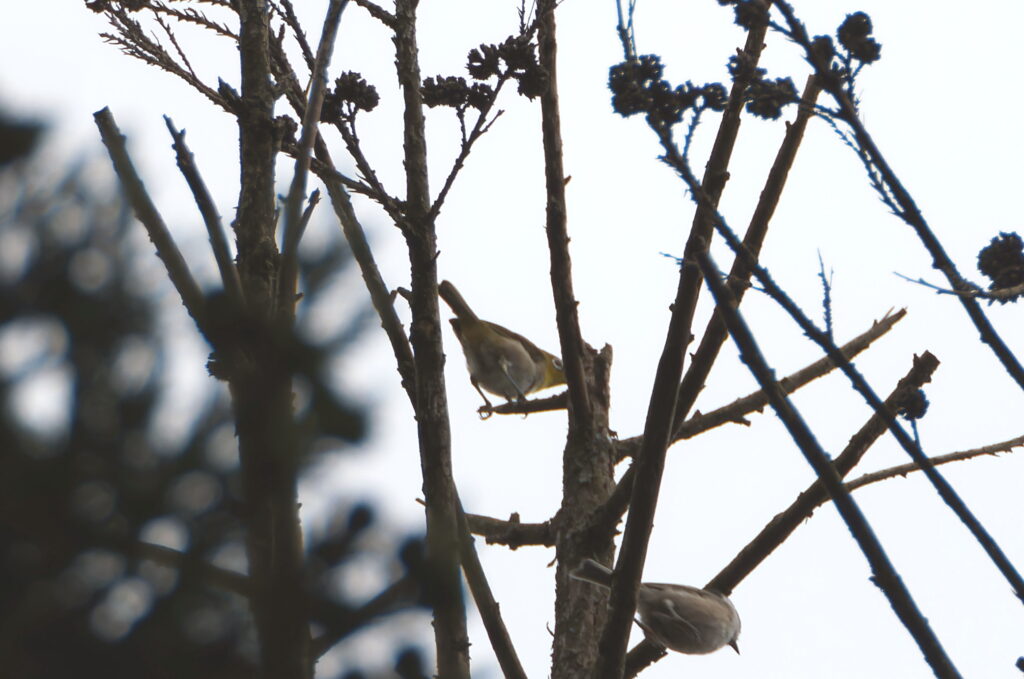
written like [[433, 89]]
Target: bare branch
[[355, 235], [533, 405], [327, 172], [997, 295], [211, 217], [378, 13], [904, 469], [570, 338], [640, 656], [512, 533], [147, 213], [480, 128], [646, 653], [884, 575], [488, 608], [431, 403], [133, 41], [190, 15], [380, 296], [288, 14], [287, 281]]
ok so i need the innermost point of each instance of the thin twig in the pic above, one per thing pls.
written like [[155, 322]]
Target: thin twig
[[133, 41], [355, 235], [884, 575], [480, 128], [378, 191], [380, 296], [193, 16], [211, 217], [904, 469], [296, 194], [177, 47], [998, 295], [826, 296], [288, 14]]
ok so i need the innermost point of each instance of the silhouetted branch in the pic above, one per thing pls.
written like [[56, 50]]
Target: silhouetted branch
[[377, 12], [570, 338], [511, 533], [488, 608], [904, 469], [147, 213], [997, 295], [211, 216], [531, 405], [293, 223], [431, 402], [640, 656]]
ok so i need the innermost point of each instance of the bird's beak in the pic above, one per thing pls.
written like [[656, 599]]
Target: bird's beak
[[735, 646]]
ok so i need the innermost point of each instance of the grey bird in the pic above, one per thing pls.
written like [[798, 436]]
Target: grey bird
[[679, 617]]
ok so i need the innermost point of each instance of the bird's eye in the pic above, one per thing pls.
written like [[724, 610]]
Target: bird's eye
[[557, 362]]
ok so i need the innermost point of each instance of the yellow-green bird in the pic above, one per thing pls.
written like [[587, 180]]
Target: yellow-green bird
[[501, 361]]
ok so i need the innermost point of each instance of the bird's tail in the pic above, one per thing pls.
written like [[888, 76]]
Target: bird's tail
[[452, 297], [591, 571]]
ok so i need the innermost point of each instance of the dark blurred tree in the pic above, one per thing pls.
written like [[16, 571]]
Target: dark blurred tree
[[108, 534]]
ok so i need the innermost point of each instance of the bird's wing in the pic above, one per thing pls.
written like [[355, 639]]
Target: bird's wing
[[535, 352]]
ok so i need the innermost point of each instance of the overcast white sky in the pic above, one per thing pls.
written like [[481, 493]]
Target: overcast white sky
[[943, 105]]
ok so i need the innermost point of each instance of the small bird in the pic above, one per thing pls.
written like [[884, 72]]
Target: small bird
[[680, 618], [499, 360]]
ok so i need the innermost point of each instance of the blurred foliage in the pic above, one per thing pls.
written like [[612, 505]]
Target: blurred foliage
[[88, 483]]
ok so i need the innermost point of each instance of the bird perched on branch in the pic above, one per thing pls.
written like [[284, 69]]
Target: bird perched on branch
[[501, 361], [680, 618]]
